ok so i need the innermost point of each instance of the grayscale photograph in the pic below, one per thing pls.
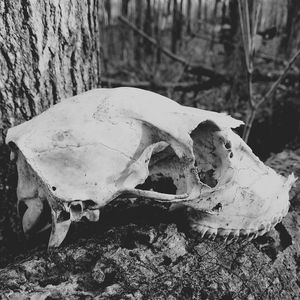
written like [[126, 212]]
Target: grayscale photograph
[[149, 149]]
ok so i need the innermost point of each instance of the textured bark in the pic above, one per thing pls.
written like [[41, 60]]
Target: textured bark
[[49, 50], [157, 259]]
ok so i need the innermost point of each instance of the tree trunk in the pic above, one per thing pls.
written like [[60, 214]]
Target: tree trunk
[[177, 24], [138, 23], [189, 17], [235, 62], [125, 7], [174, 27], [291, 39], [148, 27], [49, 50], [107, 6], [199, 15]]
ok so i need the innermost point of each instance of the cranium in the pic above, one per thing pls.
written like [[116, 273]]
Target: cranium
[[88, 150]]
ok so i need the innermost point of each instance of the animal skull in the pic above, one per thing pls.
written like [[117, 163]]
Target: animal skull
[[87, 150]]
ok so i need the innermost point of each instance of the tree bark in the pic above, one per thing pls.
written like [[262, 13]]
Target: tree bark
[[49, 50]]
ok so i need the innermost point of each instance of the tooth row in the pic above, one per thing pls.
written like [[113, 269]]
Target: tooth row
[[230, 234]]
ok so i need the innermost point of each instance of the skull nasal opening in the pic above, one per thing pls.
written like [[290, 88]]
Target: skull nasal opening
[[206, 141]]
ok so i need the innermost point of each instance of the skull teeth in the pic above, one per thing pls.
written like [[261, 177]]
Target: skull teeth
[[234, 234], [203, 233]]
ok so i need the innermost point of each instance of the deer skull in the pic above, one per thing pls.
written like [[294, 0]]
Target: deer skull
[[88, 150]]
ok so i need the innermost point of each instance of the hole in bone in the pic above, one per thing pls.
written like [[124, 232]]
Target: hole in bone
[[159, 184], [89, 204], [217, 208], [53, 188], [63, 216], [228, 145], [44, 219], [165, 173], [207, 177], [22, 208], [207, 146], [76, 211]]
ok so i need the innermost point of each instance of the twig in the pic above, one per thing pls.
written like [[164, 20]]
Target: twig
[[267, 96], [152, 41], [177, 86], [274, 86], [196, 69], [248, 124], [219, 41], [248, 32]]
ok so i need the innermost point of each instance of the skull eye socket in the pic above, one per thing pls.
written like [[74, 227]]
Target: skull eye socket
[[165, 173], [159, 183]]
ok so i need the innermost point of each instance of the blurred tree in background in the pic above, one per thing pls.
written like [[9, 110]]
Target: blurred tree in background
[[192, 51]]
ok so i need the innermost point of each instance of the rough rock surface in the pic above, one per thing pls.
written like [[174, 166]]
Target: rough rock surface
[[143, 252]]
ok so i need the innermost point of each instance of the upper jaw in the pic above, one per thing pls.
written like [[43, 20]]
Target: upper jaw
[[243, 212]]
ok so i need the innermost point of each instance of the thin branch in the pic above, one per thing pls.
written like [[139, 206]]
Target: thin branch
[[177, 86], [152, 41], [274, 86], [267, 96], [250, 87], [248, 124], [189, 67]]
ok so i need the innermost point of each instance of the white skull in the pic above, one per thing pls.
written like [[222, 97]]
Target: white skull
[[88, 150]]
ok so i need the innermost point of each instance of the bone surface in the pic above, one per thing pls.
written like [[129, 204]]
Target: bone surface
[[90, 149]]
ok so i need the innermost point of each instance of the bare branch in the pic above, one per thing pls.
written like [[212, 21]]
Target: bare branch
[[196, 69], [279, 79], [267, 96], [177, 86]]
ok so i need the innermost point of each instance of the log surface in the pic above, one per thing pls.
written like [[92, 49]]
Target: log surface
[[159, 258]]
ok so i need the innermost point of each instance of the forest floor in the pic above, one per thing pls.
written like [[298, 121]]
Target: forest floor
[[141, 251]]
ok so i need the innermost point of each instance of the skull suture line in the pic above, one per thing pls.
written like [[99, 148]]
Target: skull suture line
[[87, 150]]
